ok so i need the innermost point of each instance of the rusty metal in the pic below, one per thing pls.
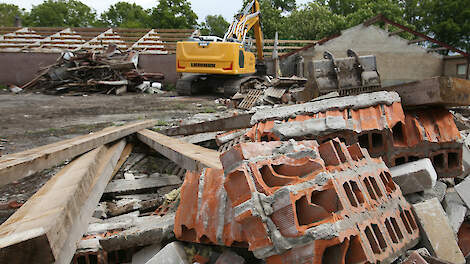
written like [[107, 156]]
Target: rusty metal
[[347, 76]]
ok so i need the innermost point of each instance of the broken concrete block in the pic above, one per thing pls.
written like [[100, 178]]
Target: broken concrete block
[[414, 176], [229, 257], [144, 255], [132, 186], [415, 258], [148, 230], [463, 190], [436, 231], [172, 253], [455, 210]]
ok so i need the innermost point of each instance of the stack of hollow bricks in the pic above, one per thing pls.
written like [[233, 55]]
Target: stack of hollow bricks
[[299, 201], [377, 122]]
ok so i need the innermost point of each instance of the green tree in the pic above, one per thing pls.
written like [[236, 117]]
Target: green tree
[[312, 21], [126, 15], [8, 12], [61, 13], [173, 14], [214, 26], [448, 21]]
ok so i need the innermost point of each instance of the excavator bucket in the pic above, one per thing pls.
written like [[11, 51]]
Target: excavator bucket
[[347, 76]]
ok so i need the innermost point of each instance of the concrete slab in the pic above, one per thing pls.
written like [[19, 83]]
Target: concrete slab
[[145, 254], [463, 190], [172, 253], [436, 232], [414, 176]]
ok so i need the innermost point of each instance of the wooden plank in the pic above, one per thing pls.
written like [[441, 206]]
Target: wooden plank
[[132, 186], [19, 165], [223, 124], [49, 225], [186, 155]]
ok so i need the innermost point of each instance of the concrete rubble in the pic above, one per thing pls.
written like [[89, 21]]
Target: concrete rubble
[[354, 179]]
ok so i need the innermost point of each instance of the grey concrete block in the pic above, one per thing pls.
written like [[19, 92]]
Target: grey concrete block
[[436, 232], [456, 215], [144, 255], [463, 190], [229, 257], [438, 191], [172, 253], [414, 176]]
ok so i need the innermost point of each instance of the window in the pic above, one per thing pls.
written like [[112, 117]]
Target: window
[[241, 59], [461, 69]]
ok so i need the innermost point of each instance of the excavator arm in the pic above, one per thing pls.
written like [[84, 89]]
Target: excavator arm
[[249, 18]]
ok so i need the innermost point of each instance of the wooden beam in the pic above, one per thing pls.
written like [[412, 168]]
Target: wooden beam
[[47, 228], [396, 32], [437, 49], [19, 165], [413, 41], [186, 155], [223, 124]]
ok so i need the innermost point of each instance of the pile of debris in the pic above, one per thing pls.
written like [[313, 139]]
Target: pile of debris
[[283, 90], [331, 76], [355, 179], [77, 73]]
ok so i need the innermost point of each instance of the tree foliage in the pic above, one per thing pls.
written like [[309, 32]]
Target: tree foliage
[[61, 13], [8, 12], [312, 21], [214, 26], [447, 21], [173, 14], [126, 15]]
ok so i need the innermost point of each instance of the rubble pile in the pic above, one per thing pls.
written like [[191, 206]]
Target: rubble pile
[[77, 73], [299, 202], [137, 209], [355, 179], [271, 91]]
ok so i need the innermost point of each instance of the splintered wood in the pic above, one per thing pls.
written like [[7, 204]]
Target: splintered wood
[[20, 165], [49, 225]]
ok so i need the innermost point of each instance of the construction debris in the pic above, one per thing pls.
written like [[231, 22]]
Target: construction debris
[[111, 72], [415, 176], [46, 228], [318, 182], [282, 90], [437, 233]]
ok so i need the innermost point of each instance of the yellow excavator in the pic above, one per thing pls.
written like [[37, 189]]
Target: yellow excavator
[[209, 62]]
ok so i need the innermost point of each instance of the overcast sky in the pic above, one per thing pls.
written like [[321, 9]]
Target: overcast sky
[[227, 8]]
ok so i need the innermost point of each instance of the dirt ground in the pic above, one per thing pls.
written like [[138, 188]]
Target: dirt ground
[[32, 120]]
